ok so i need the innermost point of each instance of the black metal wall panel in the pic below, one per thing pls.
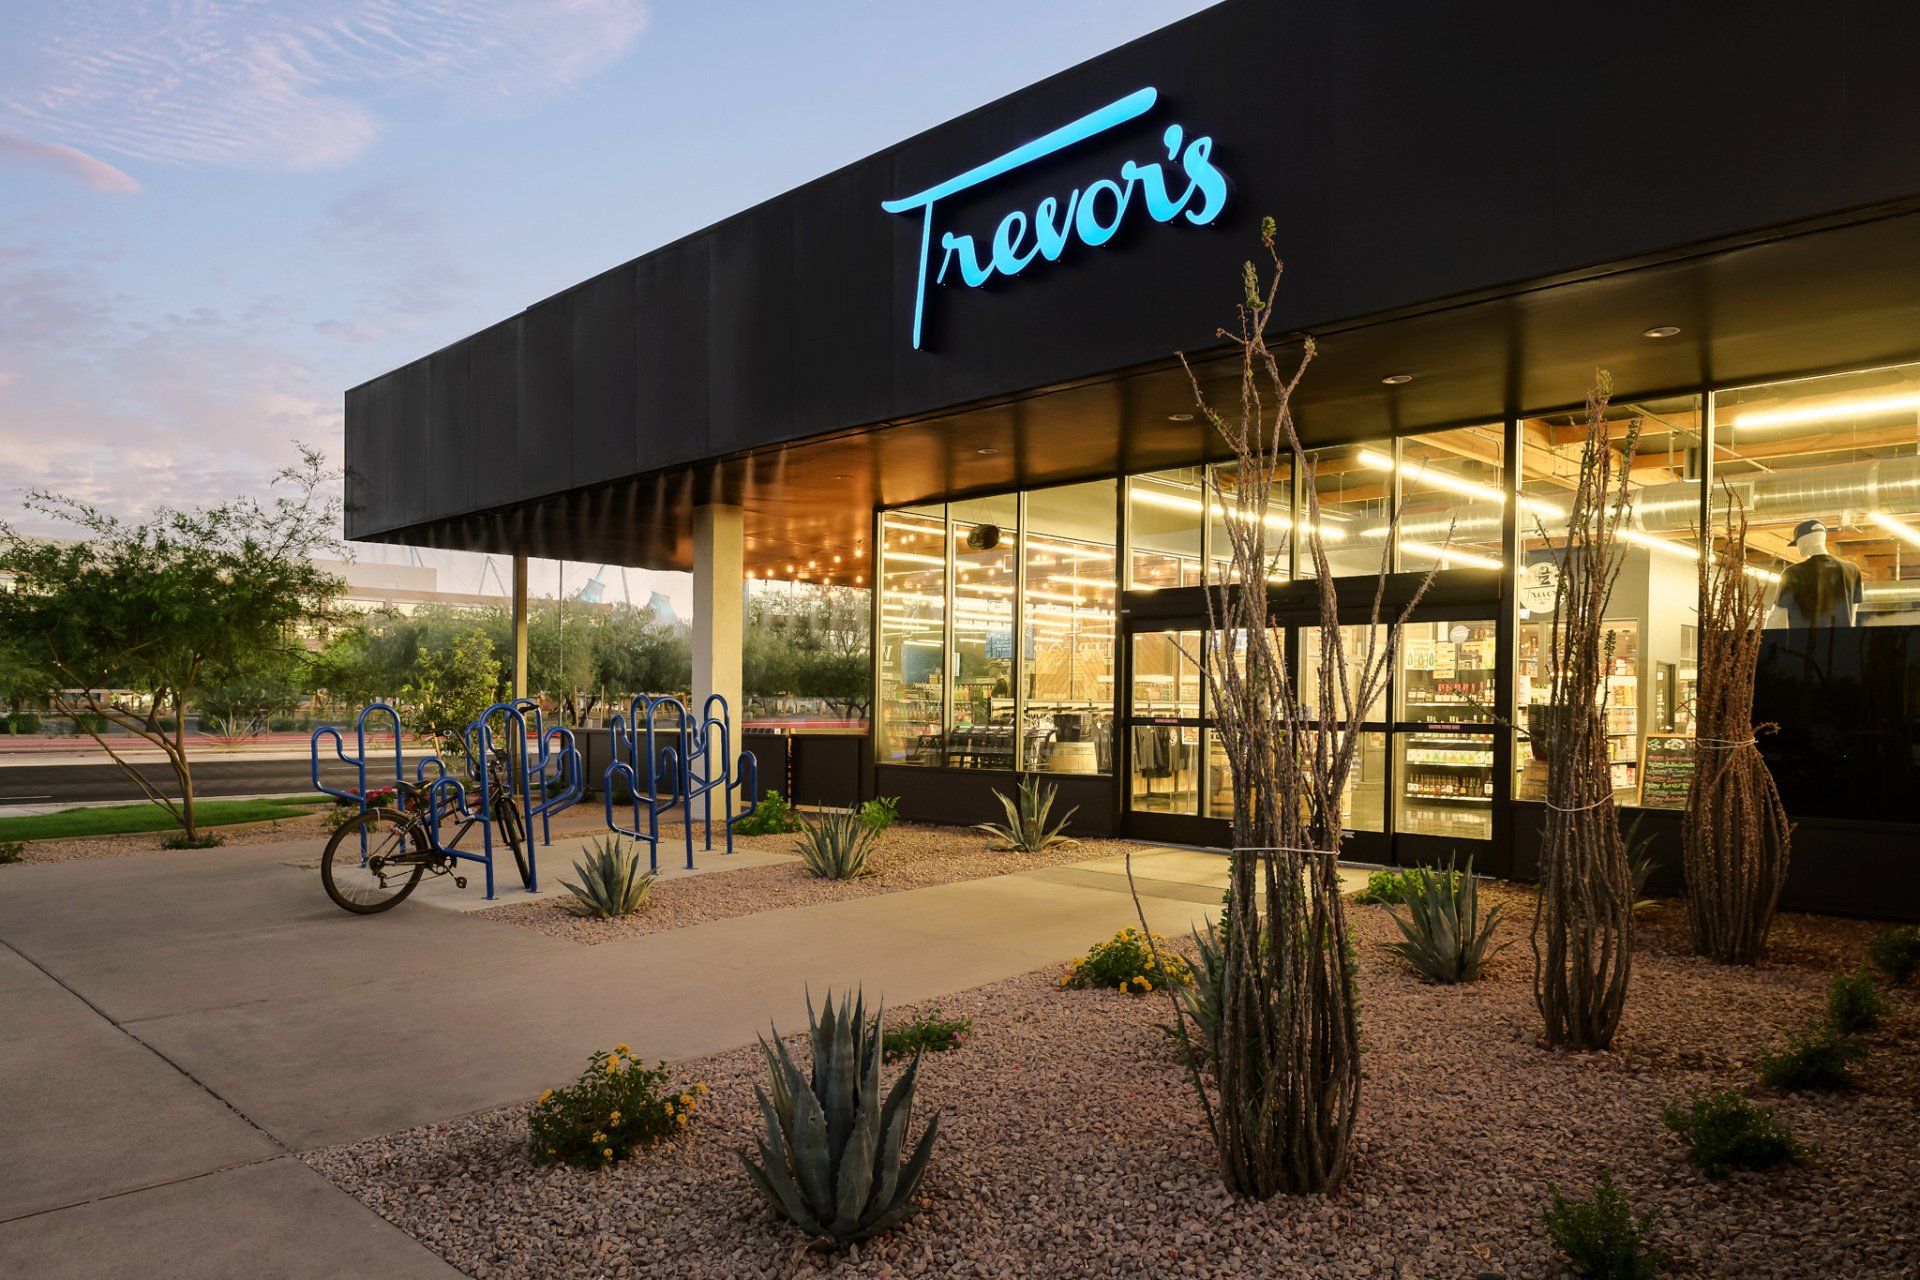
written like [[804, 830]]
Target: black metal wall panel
[[544, 446], [1410, 151], [606, 439], [492, 431]]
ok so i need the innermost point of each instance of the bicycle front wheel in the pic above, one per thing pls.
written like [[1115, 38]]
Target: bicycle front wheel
[[382, 874], [507, 826]]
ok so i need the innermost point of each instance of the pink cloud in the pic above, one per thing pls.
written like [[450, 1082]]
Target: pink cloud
[[69, 162]]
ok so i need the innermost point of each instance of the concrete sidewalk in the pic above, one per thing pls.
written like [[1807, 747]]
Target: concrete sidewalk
[[187, 1020]]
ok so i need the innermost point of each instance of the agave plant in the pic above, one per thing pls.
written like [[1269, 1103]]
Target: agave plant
[[1026, 829], [611, 881], [1444, 938], [837, 844], [831, 1157], [1205, 1000]]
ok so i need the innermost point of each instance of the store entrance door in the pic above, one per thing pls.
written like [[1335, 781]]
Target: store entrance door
[[1424, 783]]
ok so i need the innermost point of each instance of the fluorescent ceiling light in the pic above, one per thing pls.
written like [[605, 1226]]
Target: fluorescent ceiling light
[[913, 557], [1862, 407], [1448, 555], [1193, 506], [1898, 528]]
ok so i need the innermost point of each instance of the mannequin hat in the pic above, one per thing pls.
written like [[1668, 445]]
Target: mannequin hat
[[1806, 527]]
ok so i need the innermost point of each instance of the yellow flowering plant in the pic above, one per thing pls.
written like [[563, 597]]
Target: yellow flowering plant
[[1125, 962], [616, 1106]]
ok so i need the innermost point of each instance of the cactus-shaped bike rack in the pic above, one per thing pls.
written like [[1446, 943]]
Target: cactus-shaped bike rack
[[667, 761], [542, 769]]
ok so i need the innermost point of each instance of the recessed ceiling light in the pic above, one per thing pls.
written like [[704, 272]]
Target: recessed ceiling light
[[843, 477], [1396, 379], [1660, 331], [986, 451], [1179, 417]]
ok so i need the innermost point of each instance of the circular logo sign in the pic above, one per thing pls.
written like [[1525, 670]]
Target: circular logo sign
[[1538, 586]]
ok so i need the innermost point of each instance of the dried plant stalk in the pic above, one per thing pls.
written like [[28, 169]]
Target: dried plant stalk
[[1583, 921], [1286, 1085], [1735, 838]]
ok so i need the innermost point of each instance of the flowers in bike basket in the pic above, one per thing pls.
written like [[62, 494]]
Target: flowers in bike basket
[[616, 1106]]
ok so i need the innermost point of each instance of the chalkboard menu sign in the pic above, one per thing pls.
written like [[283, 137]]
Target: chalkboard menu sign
[[1667, 773]]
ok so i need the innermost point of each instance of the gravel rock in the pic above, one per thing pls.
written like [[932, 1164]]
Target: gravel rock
[[1072, 1147], [909, 856]]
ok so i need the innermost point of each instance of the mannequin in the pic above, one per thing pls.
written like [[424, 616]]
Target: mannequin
[[1822, 590]]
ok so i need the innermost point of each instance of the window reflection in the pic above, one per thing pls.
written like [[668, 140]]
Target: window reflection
[[985, 568], [1653, 611], [1068, 625], [1827, 471], [1354, 489], [1166, 512], [913, 593]]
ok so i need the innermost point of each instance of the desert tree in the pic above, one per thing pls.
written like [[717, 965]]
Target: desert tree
[[1583, 919], [1285, 1079], [131, 622], [1734, 836]]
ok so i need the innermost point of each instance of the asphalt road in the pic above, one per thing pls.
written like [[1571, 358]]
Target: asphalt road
[[55, 783]]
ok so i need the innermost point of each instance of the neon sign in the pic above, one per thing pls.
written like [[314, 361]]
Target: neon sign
[[1090, 214]]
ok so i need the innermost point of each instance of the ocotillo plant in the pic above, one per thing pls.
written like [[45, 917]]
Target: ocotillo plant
[[1735, 838], [1583, 923], [1286, 1071]]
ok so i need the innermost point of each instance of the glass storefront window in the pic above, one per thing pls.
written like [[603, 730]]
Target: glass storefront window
[[913, 595], [1654, 610], [1353, 652], [1452, 498], [1068, 621], [986, 551], [1165, 708], [1355, 503], [1166, 512], [1827, 471], [1224, 508]]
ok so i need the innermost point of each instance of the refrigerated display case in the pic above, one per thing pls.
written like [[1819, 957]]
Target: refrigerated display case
[[1443, 744]]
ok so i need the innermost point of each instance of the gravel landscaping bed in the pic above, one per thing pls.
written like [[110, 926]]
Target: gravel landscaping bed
[[1070, 1147], [909, 856]]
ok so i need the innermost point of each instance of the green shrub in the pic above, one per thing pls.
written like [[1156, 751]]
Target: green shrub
[[927, 1032], [836, 845], [1896, 952], [1817, 1060], [834, 1157], [880, 813], [1392, 886], [13, 851], [1026, 829], [282, 724], [1443, 938], [1854, 1002], [180, 840], [23, 722], [616, 1106], [612, 882], [772, 816], [1725, 1131], [1125, 962], [1601, 1239]]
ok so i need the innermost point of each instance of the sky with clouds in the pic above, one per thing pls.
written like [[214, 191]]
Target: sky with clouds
[[217, 215]]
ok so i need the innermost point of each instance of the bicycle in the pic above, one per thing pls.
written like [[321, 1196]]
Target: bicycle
[[389, 849]]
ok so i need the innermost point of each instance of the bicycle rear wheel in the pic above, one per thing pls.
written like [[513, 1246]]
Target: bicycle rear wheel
[[391, 865], [508, 826]]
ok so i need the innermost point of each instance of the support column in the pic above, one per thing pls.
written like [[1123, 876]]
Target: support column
[[519, 624], [719, 583]]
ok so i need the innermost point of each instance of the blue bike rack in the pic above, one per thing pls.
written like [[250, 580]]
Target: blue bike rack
[[359, 761], [543, 770], [680, 764]]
